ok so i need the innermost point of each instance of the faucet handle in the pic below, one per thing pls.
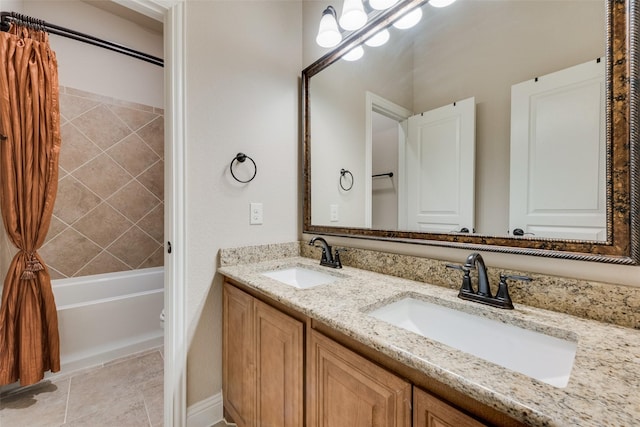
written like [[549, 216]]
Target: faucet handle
[[466, 279], [515, 277], [503, 288], [457, 267], [336, 257]]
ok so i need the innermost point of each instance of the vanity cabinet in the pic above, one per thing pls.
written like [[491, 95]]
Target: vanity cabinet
[[345, 389], [282, 368], [429, 411], [262, 362]]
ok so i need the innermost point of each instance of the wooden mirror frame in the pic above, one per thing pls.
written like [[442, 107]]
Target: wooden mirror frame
[[622, 176]]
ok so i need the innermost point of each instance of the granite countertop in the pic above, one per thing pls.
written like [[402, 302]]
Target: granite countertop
[[603, 390]]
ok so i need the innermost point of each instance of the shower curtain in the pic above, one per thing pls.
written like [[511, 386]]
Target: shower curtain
[[29, 151]]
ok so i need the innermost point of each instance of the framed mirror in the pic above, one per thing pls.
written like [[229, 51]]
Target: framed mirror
[[542, 159]]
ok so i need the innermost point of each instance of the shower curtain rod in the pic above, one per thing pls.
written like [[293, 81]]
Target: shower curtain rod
[[7, 17]]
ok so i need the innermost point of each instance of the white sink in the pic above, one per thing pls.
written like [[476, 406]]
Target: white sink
[[540, 356], [301, 277]]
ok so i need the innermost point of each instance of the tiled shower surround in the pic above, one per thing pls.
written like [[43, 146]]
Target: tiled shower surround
[[108, 215]]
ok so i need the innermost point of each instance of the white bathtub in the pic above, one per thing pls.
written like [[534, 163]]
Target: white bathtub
[[106, 316]]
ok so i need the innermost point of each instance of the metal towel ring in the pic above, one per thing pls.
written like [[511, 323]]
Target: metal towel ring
[[343, 172], [240, 158]]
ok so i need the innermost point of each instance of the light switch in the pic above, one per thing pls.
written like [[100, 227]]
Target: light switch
[[334, 217], [256, 213]]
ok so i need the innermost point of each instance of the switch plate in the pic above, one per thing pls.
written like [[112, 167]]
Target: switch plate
[[334, 217], [256, 213]]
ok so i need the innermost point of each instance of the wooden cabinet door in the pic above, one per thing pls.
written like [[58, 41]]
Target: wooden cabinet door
[[346, 390], [238, 355], [279, 363], [428, 411]]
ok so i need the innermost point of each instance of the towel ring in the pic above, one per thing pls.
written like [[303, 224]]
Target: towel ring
[[343, 172], [240, 158]]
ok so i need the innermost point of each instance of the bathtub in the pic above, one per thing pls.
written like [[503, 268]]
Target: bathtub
[[107, 316]]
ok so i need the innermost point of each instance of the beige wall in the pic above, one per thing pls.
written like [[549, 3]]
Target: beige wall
[[97, 70], [243, 68], [384, 203]]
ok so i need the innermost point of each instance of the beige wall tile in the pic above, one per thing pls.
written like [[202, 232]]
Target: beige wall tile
[[103, 224], [73, 106], [134, 201], [153, 179], [153, 223], [134, 118], [153, 134], [69, 252], [155, 260], [133, 247], [73, 200], [103, 263], [103, 176], [133, 155], [76, 149], [99, 198], [101, 126], [56, 227]]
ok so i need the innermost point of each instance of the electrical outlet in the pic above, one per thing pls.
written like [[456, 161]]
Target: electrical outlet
[[256, 213], [334, 217]]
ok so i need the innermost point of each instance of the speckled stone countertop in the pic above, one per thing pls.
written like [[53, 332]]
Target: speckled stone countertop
[[603, 390]]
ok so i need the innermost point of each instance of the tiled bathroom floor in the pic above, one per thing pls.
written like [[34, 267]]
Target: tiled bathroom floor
[[125, 392]]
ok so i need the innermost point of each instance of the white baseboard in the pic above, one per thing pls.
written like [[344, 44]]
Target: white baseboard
[[205, 413]]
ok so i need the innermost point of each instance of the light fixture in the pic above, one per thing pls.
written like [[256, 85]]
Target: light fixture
[[353, 16], [379, 39], [440, 3], [409, 20], [382, 4], [328, 32], [354, 54]]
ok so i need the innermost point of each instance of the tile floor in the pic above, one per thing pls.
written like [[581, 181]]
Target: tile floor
[[127, 392]]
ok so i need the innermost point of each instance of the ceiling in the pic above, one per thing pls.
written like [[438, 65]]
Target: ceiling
[[128, 14]]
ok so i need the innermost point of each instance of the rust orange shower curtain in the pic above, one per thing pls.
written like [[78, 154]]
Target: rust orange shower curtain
[[29, 151]]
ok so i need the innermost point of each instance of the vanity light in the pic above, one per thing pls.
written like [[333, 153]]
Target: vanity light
[[382, 4], [440, 3], [328, 32], [409, 20], [353, 15], [379, 39], [354, 54]]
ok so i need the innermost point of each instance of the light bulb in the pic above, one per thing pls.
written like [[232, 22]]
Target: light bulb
[[353, 15], [354, 54], [409, 20], [382, 4], [328, 32], [440, 3], [379, 39]]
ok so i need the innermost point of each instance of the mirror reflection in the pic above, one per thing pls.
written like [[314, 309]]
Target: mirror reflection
[[487, 117]]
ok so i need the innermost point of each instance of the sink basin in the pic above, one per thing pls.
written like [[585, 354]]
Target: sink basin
[[540, 356], [301, 277]]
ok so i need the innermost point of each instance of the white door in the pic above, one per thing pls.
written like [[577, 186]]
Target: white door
[[557, 184], [440, 164]]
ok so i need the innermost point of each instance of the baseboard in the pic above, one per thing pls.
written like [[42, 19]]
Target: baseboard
[[205, 413]]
